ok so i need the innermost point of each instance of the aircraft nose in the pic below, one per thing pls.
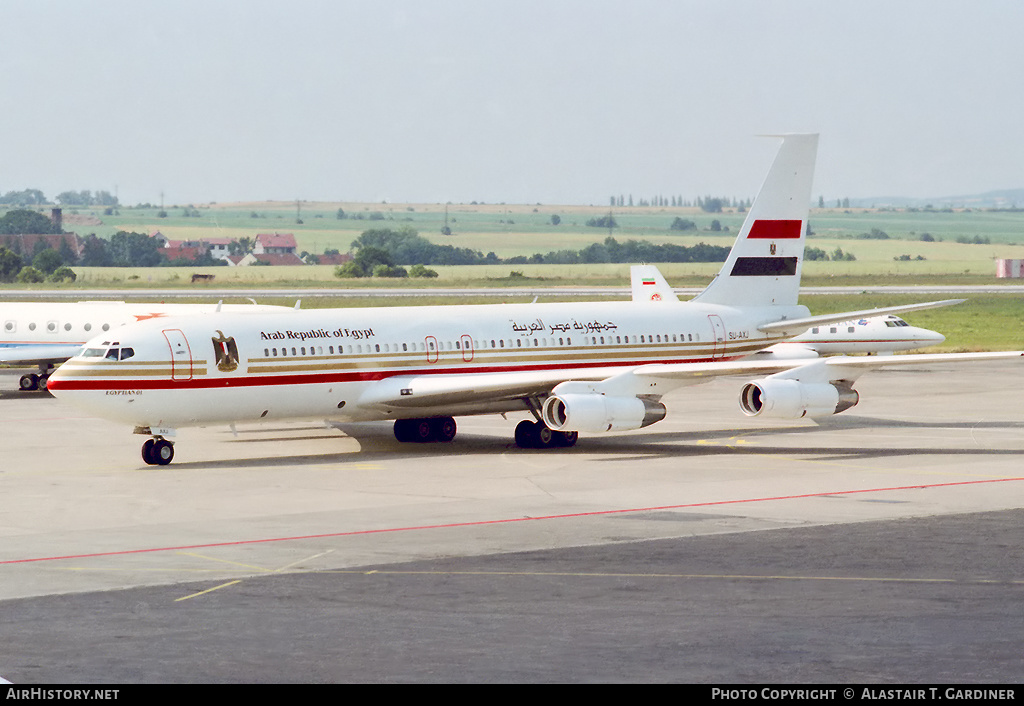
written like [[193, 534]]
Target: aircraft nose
[[933, 337]]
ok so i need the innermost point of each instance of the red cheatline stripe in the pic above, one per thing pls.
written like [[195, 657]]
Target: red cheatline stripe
[[478, 523], [775, 230], [367, 373]]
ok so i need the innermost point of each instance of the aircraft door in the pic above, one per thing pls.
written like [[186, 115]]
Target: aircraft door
[[181, 354], [467, 348], [717, 335]]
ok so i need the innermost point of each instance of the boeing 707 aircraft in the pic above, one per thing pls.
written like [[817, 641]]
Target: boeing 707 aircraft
[[590, 367]]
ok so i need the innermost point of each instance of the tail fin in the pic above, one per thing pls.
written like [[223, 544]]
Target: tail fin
[[763, 268], [649, 285]]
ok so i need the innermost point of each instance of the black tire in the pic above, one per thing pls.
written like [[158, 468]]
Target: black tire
[[422, 431], [567, 439], [29, 382], [404, 429], [163, 452], [544, 437], [444, 428], [147, 452], [524, 434]]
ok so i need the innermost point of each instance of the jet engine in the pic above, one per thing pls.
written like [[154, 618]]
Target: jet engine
[[595, 412], [792, 399]]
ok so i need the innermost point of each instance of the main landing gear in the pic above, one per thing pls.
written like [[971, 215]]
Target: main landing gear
[[538, 435], [425, 430], [30, 382], [157, 451]]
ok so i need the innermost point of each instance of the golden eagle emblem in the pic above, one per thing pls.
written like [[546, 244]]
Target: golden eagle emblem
[[226, 352]]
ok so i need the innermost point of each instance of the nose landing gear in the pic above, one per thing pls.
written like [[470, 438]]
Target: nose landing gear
[[157, 451]]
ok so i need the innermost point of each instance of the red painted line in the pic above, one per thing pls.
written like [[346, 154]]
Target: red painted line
[[479, 523], [366, 374]]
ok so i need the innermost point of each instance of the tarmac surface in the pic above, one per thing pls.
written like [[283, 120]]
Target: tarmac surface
[[880, 545]]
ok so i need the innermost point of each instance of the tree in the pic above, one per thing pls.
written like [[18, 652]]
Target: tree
[[47, 261], [421, 271], [134, 250], [96, 252], [22, 221], [603, 222], [10, 265], [63, 274], [30, 275], [349, 269], [682, 224]]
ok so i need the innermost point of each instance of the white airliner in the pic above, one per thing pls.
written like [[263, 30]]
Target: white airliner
[[874, 335], [591, 367], [47, 334]]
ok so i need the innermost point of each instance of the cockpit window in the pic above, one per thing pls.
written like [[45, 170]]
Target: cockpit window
[[112, 354], [93, 352], [127, 353]]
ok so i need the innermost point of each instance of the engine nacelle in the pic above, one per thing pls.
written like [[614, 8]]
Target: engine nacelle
[[594, 412], [792, 399]]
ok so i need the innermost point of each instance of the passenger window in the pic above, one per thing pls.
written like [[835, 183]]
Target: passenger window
[[850, 329], [814, 330]]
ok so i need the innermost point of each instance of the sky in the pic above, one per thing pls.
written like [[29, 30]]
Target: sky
[[520, 101]]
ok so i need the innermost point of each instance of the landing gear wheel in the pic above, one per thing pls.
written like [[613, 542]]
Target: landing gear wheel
[[422, 431], [163, 452], [42, 381], [566, 438], [29, 382], [543, 436], [157, 452], [524, 434], [404, 429], [444, 428]]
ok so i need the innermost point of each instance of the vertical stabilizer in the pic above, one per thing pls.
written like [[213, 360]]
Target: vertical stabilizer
[[649, 285], [763, 268]]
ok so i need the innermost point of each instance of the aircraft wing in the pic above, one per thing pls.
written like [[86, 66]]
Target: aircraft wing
[[38, 354], [418, 391], [794, 327]]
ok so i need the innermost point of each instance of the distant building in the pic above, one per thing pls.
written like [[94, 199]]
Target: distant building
[[275, 244], [29, 243], [1009, 268], [274, 259], [195, 249], [338, 259]]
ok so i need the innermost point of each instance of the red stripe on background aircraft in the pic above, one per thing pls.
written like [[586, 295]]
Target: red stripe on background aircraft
[[590, 367]]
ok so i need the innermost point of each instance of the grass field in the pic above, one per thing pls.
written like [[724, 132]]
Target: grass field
[[990, 322], [511, 230]]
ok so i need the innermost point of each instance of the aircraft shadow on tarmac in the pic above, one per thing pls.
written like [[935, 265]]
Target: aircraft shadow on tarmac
[[377, 443]]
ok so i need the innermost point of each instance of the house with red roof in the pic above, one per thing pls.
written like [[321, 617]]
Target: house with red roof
[[275, 244]]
